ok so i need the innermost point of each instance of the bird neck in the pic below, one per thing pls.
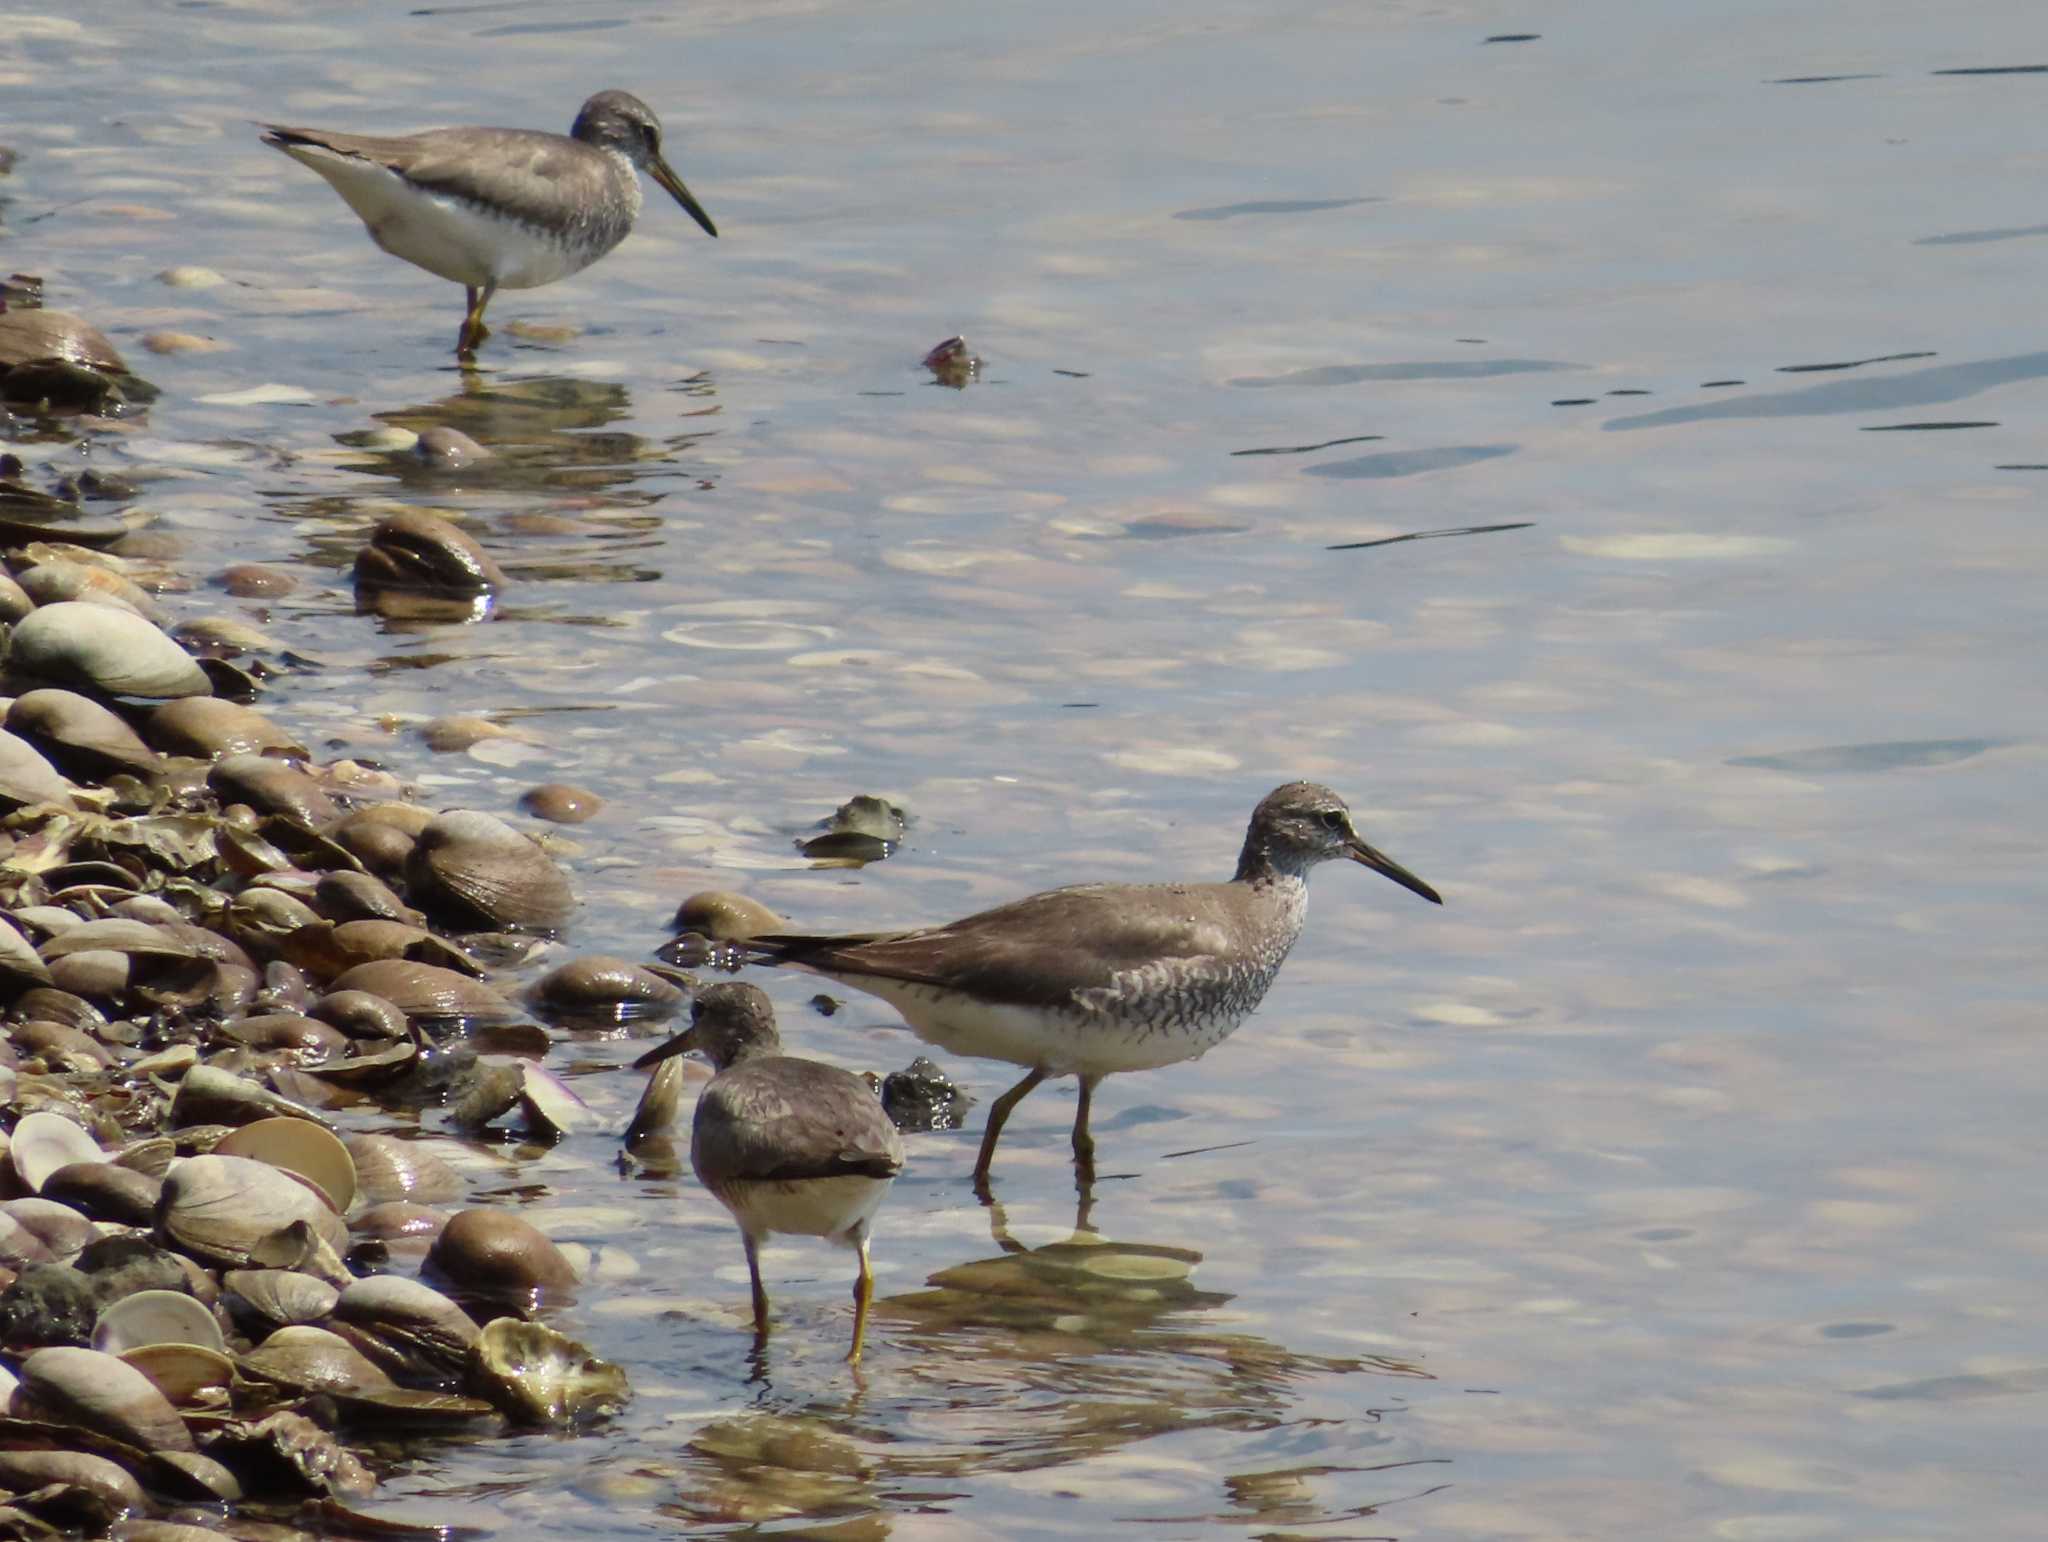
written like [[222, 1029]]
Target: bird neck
[[1260, 865]]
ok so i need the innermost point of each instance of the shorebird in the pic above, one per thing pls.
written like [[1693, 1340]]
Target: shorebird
[[498, 208], [1103, 977], [786, 1145]]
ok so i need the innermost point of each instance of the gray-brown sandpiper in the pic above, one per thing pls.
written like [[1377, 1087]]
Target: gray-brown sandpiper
[[1106, 977], [498, 208], [787, 1145]]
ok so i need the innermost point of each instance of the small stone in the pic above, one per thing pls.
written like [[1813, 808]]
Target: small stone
[[561, 803], [252, 581], [182, 342], [190, 278]]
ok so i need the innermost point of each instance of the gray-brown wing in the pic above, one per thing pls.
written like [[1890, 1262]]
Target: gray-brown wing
[[1044, 949], [527, 170], [779, 1118]]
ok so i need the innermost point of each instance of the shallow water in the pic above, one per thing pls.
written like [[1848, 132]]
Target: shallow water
[[1680, 1176]]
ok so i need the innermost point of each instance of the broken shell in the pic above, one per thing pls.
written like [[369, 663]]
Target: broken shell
[[18, 960], [209, 1095], [61, 1229], [222, 1209], [298, 1146], [43, 1142], [155, 1317], [97, 648], [477, 869], [99, 1392], [536, 1374]]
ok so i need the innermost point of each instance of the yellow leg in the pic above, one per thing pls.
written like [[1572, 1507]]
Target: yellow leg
[[998, 1113], [863, 1293], [1084, 1143], [760, 1295], [473, 329]]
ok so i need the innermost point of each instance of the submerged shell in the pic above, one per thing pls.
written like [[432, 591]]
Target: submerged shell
[[97, 648], [412, 550], [536, 1374], [598, 984], [476, 869]]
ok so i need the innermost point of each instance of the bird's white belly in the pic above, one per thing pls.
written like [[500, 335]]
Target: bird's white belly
[[448, 236], [1061, 1044], [811, 1207]]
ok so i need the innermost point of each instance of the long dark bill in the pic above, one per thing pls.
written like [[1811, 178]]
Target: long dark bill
[[1379, 862], [672, 184], [681, 1044]]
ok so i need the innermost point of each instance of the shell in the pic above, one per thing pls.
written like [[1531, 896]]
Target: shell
[[209, 1095], [280, 1297], [224, 1209], [31, 334], [44, 1142], [477, 870], [389, 1168], [659, 1100], [56, 579], [23, 1471], [209, 727], [310, 1359], [273, 786], [726, 917], [100, 649], [78, 734], [186, 1374], [99, 1392], [299, 1146], [427, 991], [411, 550], [495, 1253], [599, 985], [155, 1317], [27, 778], [106, 1191]]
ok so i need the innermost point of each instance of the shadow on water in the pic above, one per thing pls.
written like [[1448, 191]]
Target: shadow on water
[[1034, 1359]]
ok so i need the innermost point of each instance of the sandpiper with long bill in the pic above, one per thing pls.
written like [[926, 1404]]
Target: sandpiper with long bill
[[1107, 977], [498, 208]]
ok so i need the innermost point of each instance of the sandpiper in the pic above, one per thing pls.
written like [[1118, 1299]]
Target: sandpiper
[[498, 208], [786, 1145], [1104, 977]]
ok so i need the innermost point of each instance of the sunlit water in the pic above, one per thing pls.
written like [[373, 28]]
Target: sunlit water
[[1681, 1176]]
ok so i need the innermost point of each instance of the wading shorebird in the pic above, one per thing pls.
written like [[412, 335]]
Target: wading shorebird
[[787, 1145], [1105, 977], [498, 208]]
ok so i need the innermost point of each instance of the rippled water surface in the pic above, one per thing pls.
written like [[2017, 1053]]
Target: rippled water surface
[[1681, 1177]]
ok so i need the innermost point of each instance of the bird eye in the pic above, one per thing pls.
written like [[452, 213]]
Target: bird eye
[[1331, 818]]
